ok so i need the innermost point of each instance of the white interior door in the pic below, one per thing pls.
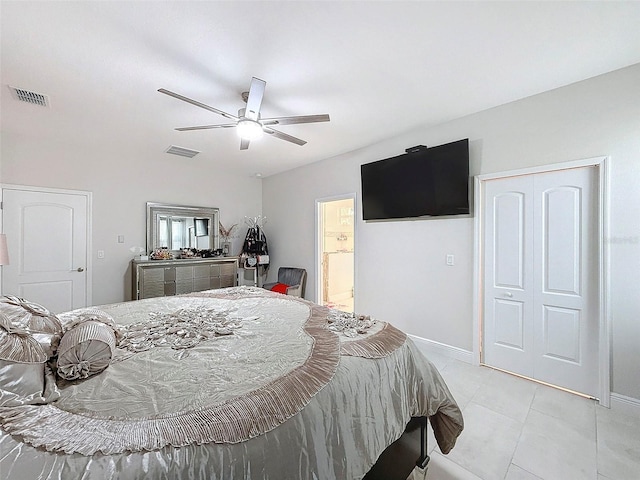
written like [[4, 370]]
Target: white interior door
[[47, 238], [541, 287]]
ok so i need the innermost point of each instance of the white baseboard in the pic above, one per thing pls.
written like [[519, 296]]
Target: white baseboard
[[624, 404], [443, 349], [619, 402]]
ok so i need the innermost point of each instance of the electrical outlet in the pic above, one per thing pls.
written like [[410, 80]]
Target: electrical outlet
[[450, 260], [120, 238], [100, 253]]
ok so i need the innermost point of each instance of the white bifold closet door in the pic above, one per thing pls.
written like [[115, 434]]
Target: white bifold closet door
[[540, 313]]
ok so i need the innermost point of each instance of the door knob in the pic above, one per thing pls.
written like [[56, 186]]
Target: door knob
[[508, 294], [80, 269]]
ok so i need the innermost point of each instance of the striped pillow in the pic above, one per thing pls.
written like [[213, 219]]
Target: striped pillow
[[85, 350]]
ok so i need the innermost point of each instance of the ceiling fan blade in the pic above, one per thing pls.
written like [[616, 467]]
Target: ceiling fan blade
[[254, 101], [298, 119], [244, 144], [206, 127], [197, 104], [283, 136]]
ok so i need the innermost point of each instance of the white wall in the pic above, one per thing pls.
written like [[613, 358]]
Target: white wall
[[122, 182], [401, 274]]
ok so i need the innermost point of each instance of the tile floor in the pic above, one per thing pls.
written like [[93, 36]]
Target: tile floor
[[519, 430]]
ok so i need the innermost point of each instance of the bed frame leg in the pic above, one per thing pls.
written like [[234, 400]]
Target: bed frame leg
[[423, 461]]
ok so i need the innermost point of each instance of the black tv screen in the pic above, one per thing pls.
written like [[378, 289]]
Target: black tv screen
[[426, 182], [202, 227]]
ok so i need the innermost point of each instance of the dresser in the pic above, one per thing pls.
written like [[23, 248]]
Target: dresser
[[159, 278]]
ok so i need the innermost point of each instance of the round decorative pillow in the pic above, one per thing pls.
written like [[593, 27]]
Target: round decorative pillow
[[85, 350], [43, 325]]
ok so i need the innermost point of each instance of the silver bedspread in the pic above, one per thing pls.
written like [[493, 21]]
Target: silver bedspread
[[339, 434]]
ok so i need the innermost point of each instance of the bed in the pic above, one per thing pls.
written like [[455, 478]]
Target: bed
[[236, 383]]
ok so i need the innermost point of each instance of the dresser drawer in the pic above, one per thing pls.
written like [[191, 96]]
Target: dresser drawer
[[200, 284], [184, 273], [153, 275], [228, 269], [153, 289]]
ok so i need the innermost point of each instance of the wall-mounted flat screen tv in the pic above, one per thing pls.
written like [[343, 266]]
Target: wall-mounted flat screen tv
[[202, 227], [422, 182]]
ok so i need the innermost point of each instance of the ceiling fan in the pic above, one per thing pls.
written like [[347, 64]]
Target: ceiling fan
[[248, 121]]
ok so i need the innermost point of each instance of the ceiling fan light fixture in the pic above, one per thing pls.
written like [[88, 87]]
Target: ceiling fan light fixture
[[249, 129], [249, 123]]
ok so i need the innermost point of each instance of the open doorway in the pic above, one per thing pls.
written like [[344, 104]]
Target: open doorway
[[335, 254]]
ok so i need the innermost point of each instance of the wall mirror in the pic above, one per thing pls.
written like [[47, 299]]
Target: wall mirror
[[176, 226]]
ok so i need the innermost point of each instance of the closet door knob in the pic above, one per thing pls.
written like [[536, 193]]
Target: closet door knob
[[80, 269], [508, 294]]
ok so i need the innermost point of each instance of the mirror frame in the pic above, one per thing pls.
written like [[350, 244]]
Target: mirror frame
[[154, 209]]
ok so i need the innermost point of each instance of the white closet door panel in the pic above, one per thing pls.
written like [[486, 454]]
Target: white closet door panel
[[509, 324], [561, 334], [509, 264], [561, 234], [508, 335], [566, 289]]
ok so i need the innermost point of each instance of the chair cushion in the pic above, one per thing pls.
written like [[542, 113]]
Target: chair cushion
[[280, 288]]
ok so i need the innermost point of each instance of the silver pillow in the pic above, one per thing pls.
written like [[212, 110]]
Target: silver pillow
[[35, 319], [86, 349], [25, 377]]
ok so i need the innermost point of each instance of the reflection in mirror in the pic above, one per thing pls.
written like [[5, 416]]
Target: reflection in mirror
[[176, 227], [176, 233]]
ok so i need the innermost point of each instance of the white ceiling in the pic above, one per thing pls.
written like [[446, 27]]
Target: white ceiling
[[378, 68]]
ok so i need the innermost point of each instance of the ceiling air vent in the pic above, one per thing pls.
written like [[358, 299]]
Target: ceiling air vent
[[29, 97], [183, 152]]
